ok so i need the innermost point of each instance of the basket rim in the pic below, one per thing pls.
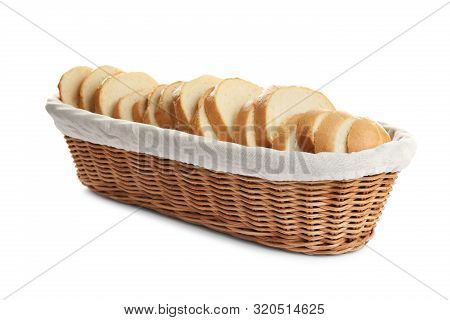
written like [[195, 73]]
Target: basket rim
[[228, 157]]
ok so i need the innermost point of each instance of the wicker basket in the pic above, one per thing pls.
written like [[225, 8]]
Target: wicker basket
[[332, 209], [320, 217]]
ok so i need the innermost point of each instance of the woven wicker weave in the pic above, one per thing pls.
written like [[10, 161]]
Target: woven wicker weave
[[322, 217]]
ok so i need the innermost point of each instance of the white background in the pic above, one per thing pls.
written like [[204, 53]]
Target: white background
[[46, 214]]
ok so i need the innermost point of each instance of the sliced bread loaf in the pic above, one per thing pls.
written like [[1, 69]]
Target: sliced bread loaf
[[69, 85], [331, 136], [165, 113], [124, 108], [115, 87], [328, 131], [91, 83], [152, 102], [200, 123], [186, 99], [224, 103], [276, 106]]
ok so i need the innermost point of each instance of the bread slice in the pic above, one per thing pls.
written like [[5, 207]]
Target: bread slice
[[200, 124], [165, 114], [331, 136], [278, 105], [224, 103], [69, 85], [286, 137], [115, 87], [385, 137], [244, 125], [91, 83], [364, 134], [124, 108], [152, 102], [186, 99], [307, 126], [139, 110], [297, 133]]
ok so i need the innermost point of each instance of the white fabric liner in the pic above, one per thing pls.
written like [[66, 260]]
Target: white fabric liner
[[230, 157]]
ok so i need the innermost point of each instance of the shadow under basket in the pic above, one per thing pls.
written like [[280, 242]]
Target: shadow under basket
[[319, 217]]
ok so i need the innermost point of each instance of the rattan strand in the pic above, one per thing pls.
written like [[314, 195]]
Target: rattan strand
[[321, 217]]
